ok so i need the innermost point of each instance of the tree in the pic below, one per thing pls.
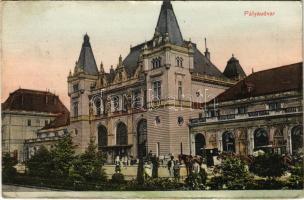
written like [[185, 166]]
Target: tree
[[296, 180], [89, 164], [233, 175], [8, 169], [268, 165], [41, 163], [63, 156]]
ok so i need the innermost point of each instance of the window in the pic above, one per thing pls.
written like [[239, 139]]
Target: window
[[116, 105], [75, 87], [242, 110], [179, 61], [274, 106], [156, 63], [75, 109], [29, 122], [211, 113], [157, 120], [97, 103], [180, 90], [46, 122], [156, 90], [137, 99], [180, 120], [125, 103], [200, 115]]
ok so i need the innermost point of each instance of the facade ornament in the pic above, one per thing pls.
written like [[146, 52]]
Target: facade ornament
[[167, 38]]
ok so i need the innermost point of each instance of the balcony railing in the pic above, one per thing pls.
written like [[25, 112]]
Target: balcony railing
[[226, 117], [260, 113]]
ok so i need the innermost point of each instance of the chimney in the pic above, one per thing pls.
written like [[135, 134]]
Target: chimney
[[207, 53]]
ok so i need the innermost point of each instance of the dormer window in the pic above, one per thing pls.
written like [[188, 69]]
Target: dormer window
[[274, 106], [156, 63], [179, 61], [75, 87], [242, 110]]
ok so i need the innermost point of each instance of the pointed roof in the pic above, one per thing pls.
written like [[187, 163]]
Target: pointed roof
[[86, 60], [233, 69], [167, 23]]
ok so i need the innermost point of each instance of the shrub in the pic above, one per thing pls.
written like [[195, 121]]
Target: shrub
[[268, 165], [194, 182], [233, 175], [40, 164], [296, 180], [161, 184], [89, 164], [118, 178], [8, 170]]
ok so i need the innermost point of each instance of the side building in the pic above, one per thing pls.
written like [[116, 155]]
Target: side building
[[23, 114], [263, 111]]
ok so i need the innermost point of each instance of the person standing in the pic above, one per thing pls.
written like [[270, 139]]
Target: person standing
[[171, 166], [176, 169]]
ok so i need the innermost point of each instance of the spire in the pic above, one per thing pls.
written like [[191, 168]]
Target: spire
[[86, 61], [207, 53], [167, 23], [101, 69], [234, 70]]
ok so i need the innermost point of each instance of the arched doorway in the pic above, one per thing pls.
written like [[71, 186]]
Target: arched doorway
[[200, 143], [296, 139], [228, 142], [260, 138], [142, 139], [121, 134], [102, 136]]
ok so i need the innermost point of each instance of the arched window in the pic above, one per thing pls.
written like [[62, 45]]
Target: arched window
[[228, 142], [156, 62], [278, 138], [121, 134], [142, 145], [296, 139], [260, 138], [102, 136], [179, 61], [200, 143]]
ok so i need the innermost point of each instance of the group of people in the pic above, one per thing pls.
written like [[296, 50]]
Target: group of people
[[174, 168]]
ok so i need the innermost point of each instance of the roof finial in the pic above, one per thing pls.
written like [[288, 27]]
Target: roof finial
[[252, 71], [119, 60], [206, 44]]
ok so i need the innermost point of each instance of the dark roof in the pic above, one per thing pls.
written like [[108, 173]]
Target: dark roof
[[60, 121], [233, 69], [167, 23], [33, 100], [202, 65], [275, 80], [86, 60]]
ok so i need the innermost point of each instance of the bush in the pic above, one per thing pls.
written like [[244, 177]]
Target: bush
[[8, 169], [296, 180], [118, 178], [268, 165], [41, 163], [233, 175], [194, 182]]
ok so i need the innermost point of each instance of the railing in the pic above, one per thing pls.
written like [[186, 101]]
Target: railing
[[197, 120], [258, 113], [226, 117], [247, 115]]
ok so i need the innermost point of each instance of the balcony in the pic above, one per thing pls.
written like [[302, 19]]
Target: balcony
[[255, 114], [258, 113]]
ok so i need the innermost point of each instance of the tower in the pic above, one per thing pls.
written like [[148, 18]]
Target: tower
[[168, 62], [80, 84]]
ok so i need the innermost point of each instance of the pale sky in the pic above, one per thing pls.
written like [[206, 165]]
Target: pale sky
[[42, 40]]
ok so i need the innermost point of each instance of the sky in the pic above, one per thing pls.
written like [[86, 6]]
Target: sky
[[41, 41]]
